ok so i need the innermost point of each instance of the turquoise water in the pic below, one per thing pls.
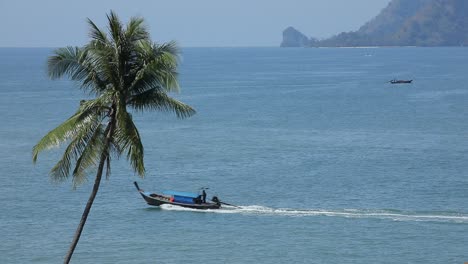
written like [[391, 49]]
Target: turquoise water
[[327, 161]]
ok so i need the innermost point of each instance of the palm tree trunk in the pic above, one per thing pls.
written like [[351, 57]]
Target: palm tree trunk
[[76, 238], [97, 182]]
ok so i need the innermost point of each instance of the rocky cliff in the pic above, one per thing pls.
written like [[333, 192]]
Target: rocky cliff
[[293, 38]]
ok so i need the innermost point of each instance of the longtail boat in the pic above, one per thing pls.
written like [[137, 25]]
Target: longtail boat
[[184, 199], [400, 81]]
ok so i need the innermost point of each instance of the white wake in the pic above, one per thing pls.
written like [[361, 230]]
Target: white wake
[[395, 215]]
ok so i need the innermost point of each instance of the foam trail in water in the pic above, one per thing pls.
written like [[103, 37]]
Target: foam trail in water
[[396, 215]]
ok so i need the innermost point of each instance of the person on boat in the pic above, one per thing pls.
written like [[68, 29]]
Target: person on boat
[[204, 196]]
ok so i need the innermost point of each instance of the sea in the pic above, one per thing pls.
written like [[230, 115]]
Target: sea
[[325, 160]]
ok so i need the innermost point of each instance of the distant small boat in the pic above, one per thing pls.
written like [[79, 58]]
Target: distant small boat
[[400, 81], [184, 199]]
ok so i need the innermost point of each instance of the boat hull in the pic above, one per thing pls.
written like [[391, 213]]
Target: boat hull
[[401, 81]]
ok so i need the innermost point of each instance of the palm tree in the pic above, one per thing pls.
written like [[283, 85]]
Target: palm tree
[[124, 70]]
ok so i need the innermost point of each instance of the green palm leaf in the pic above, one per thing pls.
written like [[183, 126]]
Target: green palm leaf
[[155, 100], [89, 158], [128, 139], [75, 149]]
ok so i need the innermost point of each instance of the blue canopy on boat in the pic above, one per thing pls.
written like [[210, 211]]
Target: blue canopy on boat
[[185, 194]]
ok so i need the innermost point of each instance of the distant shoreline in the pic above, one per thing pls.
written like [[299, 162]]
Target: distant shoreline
[[269, 47]]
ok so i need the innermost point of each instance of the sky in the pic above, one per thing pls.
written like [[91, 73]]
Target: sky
[[192, 23]]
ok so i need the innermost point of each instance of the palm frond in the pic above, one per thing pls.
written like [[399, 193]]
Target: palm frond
[[89, 157], [103, 59], [79, 65], [88, 112], [128, 139], [115, 28], [170, 47], [66, 61], [158, 68], [56, 136], [136, 30], [154, 99], [100, 105], [75, 149], [97, 34], [163, 73]]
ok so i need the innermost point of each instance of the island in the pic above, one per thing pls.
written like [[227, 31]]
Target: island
[[424, 23]]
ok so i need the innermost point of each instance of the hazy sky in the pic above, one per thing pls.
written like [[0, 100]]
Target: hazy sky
[[56, 23]]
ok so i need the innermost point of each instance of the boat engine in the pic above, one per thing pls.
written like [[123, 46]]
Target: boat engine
[[215, 200]]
